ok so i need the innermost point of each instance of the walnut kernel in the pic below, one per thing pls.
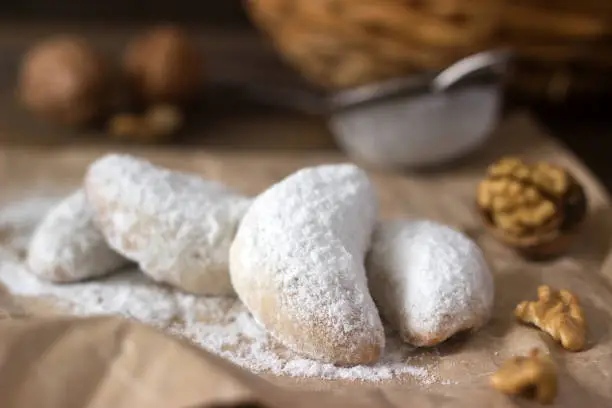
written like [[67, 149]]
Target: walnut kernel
[[157, 124], [533, 376], [531, 207], [163, 120], [558, 314]]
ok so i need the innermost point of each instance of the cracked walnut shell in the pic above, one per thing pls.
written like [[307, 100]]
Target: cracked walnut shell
[[533, 208], [533, 376], [558, 314]]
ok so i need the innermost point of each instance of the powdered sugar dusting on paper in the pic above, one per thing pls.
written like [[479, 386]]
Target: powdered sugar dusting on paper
[[221, 325]]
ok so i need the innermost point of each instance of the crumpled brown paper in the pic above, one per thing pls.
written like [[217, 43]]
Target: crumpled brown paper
[[63, 362], [110, 362]]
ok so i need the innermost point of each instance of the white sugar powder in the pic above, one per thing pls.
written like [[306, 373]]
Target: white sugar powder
[[221, 325]]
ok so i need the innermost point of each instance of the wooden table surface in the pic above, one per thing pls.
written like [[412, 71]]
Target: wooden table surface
[[227, 121]]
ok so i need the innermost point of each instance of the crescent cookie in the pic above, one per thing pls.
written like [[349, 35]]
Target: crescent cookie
[[428, 280], [67, 246], [297, 263], [178, 227]]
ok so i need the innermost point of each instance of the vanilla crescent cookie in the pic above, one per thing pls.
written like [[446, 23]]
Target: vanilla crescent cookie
[[428, 280], [177, 226], [297, 263], [67, 246]]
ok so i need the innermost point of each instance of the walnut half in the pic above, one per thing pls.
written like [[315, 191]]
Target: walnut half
[[533, 208], [157, 124], [558, 314], [534, 376]]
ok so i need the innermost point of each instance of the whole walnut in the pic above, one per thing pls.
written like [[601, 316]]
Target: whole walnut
[[534, 208], [65, 80], [163, 66]]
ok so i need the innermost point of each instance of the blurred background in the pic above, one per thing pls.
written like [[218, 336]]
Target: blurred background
[[229, 12], [236, 74]]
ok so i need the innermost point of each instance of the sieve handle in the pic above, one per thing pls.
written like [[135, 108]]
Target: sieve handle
[[285, 97], [488, 61]]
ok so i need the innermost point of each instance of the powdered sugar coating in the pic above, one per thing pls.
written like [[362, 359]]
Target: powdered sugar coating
[[428, 280], [67, 246], [221, 325], [177, 226], [297, 263]]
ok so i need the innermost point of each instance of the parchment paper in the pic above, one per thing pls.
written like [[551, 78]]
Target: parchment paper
[[64, 362]]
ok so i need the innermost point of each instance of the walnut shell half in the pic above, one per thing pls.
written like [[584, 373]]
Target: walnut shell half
[[534, 208]]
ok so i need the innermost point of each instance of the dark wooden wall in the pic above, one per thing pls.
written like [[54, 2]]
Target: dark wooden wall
[[221, 12]]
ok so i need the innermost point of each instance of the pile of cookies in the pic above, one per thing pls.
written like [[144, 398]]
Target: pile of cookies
[[312, 261], [308, 257]]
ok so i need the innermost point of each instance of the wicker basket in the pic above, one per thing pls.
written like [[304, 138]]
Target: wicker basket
[[562, 47]]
